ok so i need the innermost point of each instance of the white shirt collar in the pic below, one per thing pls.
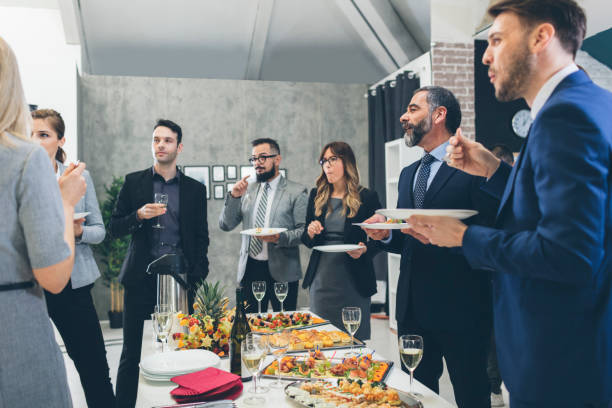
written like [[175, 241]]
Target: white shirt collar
[[273, 183], [548, 88], [439, 152]]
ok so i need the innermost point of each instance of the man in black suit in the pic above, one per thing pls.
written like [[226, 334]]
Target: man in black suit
[[185, 231], [438, 296]]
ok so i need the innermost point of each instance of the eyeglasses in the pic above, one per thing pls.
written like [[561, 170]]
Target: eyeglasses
[[261, 159], [331, 160]]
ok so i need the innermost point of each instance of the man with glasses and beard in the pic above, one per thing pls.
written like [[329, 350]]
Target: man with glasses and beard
[[439, 296], [270, 202], [551, 245]]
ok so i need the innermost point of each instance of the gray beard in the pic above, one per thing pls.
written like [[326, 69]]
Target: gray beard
[[412, 139]]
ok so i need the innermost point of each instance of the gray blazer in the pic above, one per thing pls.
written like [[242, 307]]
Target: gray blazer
[[85, 269], [288, 211]]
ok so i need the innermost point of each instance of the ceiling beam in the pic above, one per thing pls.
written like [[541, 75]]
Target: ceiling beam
[[69, 20], [382, 31], [259, 37]]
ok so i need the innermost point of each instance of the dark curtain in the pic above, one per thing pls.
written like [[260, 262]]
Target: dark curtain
[[385, 106]]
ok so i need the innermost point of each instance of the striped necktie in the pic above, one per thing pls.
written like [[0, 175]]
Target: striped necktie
[[256, 244]]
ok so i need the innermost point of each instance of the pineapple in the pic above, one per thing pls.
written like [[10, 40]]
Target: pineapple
[[210, 301]]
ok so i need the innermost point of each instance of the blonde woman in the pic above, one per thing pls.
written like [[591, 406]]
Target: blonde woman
[[37, 251], [337, 280]]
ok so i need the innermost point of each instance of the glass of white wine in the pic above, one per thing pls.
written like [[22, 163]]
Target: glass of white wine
[[278, 343], [281, 289], [411, 352], [259, 291], [160, 198], [351, 317], [162, 322], [253, 351]]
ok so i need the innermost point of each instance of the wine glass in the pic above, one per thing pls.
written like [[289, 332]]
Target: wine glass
[[281, 289], [278, 342], [411, 352], [259, 291], [264, 341], [253, 352], [160, 198], [351, 317], [163, 323]]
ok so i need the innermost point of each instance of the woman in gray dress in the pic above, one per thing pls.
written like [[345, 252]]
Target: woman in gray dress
[[338, 280], [37, 251], [72, 310]]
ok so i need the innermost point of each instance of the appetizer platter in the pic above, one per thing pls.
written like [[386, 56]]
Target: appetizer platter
[[316, 365], [309, 339], [271, 323], [391, 223], [348, 394]]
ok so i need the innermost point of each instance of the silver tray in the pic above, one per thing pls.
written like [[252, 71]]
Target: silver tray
[[408, 400]]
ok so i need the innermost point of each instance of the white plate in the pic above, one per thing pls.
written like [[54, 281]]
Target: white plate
[[337, 248], [157, 378], [264, 232], [179, 362], [77, 216], [382, 225], [405, 213]]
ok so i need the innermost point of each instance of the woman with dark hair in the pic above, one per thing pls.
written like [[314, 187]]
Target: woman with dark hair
[[337, 280], [72, 310]]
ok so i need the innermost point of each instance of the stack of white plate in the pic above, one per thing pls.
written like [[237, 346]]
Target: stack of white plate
[[164, 366]]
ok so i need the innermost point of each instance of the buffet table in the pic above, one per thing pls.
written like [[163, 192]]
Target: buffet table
[[151, 394]]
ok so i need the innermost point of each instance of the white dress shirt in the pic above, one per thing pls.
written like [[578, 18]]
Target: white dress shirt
[[263, 255]]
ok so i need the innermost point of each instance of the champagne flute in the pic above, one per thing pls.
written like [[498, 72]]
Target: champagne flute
[[281, 289], [351, 317], [411, 352], [253, 352], [264, 341], [259, 291], [163, 323], [160, 198], [279, 342]]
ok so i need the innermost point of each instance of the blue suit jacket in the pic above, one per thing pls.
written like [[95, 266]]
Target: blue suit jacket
[[551, 252]]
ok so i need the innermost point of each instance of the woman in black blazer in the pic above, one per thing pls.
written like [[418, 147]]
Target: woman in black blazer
[[337, 280]]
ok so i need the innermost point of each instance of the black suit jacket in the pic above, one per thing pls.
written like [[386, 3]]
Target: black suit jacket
[[362, 268], [137, 191], [437, 289]]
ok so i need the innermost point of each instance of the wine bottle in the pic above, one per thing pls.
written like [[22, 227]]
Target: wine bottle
[[238, 334]]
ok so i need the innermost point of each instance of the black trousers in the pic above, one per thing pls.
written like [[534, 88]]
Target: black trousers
[[495, 380], [466, 355], [139, 303], [258, 271], [74, 315]]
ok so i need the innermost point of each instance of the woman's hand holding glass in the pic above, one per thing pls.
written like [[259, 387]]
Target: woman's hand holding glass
[[314, 228]]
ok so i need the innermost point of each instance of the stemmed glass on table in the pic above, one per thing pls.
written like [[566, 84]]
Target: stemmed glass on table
[[351, 317], [278, 343], [259, 291], [411, 352], [160, 198], [163, 317], [281, 289], [253, 352]]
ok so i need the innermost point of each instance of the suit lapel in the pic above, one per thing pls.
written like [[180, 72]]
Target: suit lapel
[[406, 200], [278, 194], [440, 179], [183, 203], [512, 177]]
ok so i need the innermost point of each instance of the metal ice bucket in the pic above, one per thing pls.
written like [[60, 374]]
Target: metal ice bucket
[[171, 281]]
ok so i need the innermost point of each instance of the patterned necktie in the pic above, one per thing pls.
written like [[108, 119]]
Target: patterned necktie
[[421, 183], [256, 244]]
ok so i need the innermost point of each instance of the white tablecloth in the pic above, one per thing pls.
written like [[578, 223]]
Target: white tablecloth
[[151, 394]]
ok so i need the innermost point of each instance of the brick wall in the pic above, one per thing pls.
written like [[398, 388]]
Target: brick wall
[[452, 67]]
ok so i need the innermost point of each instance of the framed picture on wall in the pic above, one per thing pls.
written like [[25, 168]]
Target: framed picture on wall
[[219, 191], [200, 173], [232, 172], [218, 173], [247, 171], [230, 186], [283, 172]]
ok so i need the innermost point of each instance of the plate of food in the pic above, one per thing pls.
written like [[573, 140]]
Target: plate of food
[[310, 339], [405, 213], [337, 248], [273, 322], [348, 393], [391, 223], [317, 365], [263, 232]]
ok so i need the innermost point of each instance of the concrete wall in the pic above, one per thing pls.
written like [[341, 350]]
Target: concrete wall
[[219, 118], [599, 73]]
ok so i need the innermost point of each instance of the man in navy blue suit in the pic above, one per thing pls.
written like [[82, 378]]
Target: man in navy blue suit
[[439, 296], [551, 245]]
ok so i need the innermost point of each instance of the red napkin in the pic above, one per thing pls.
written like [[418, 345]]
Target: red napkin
[[206, 385]]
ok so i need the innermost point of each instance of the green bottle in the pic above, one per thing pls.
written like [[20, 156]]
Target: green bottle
[[238, 334]]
